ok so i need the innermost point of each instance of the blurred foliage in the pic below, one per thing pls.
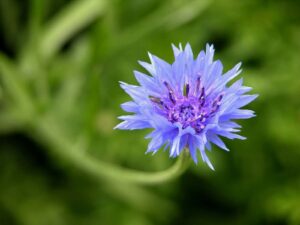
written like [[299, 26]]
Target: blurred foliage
[[60, 63]]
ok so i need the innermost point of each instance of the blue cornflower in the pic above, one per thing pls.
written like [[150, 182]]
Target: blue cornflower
[[188, 103]]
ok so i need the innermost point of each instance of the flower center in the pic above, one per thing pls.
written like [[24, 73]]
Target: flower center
[[188, 112], [184, 112], [189, 109]]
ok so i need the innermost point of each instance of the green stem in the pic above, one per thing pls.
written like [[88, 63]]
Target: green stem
[[67, 23], [52, 135], [16, 88], [46, 129]]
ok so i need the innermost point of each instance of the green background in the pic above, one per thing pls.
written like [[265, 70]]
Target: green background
[[60, 63]]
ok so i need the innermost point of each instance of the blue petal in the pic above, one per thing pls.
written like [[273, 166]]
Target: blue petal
[[241, 114], [130, 107], [217, 141], [231, 73], [156, 142], [162, 68], [229, 135], [237, 87], [208, 146], [201, 139], [174, 151], [188, 53], [206, 159], [203, 155], [214, 72], [149, 67], [178, 71], [147, 82], [228, 100], [199, 63], [228, 124], [132, 125], [231, 104], [136, 93], [176, 50], [193, 148], [132, 117], [133, 122], [209, 54], [160, 122], [183, 142], [244, 100], [243, 90]]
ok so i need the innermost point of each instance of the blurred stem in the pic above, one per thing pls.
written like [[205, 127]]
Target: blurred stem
[[52, 135], [37, 10], [30, 57], [169, 16], [73, 18], [16, 88], [47, 129]]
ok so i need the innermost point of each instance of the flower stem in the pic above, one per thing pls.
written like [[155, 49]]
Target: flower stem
[[77, 15], [46, 130], [51, 135]]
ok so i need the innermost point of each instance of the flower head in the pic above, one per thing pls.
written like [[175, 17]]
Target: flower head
[[188, 103]]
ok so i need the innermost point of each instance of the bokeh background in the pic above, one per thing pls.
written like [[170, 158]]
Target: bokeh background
[[60, 63]]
